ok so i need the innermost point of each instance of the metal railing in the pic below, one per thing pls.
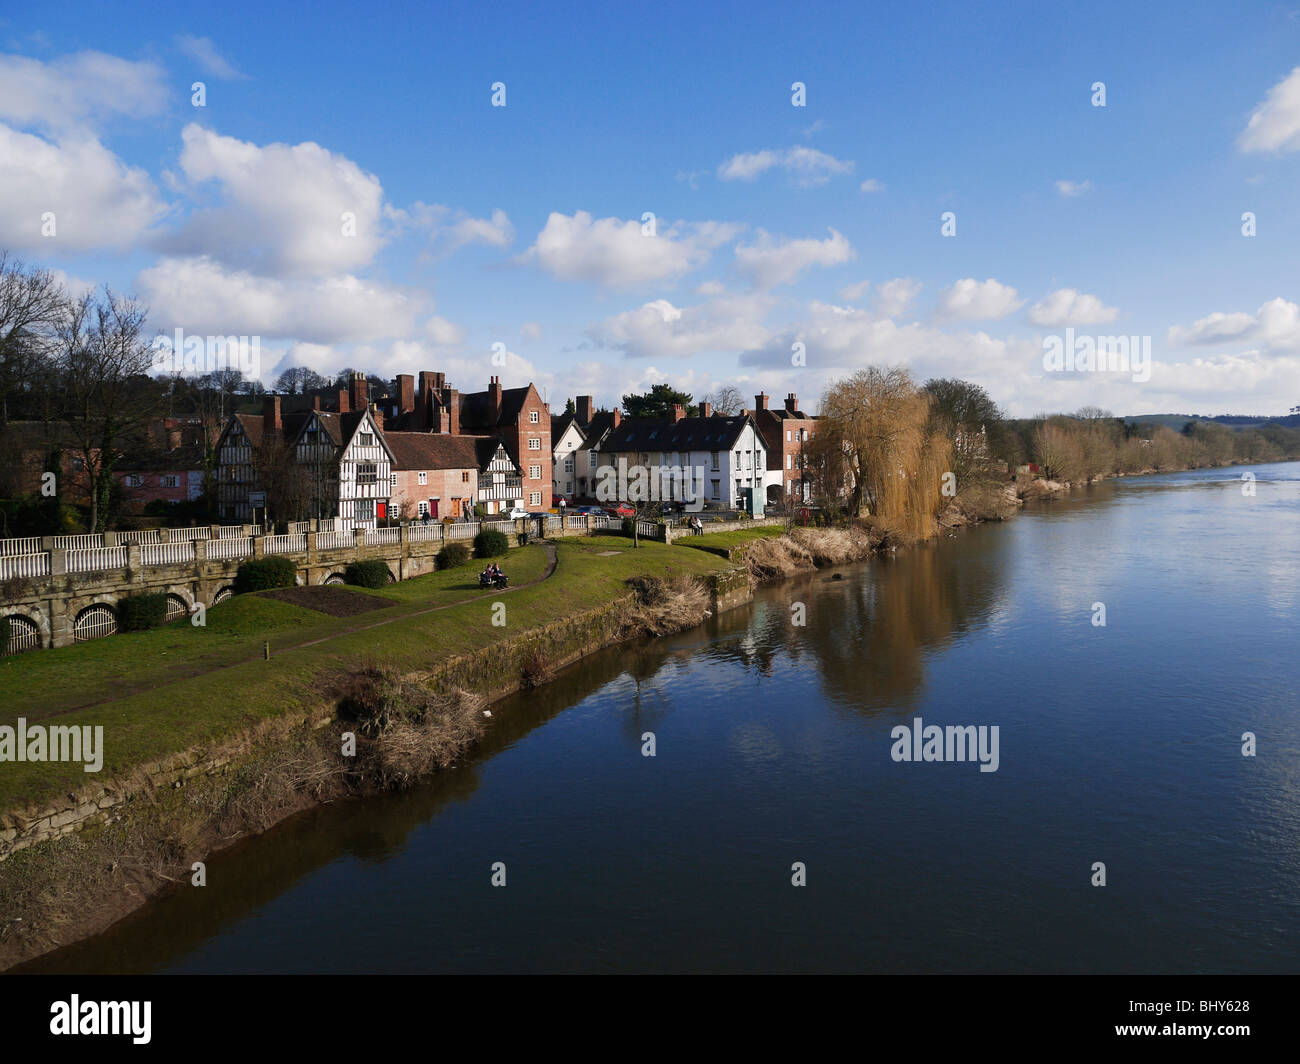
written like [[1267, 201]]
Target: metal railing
[[24, 566], [167, 553], [290, 544], [226, 549], [29, 545], [96, 559]]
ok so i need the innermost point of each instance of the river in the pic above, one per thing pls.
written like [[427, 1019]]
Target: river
[[1119, 744]]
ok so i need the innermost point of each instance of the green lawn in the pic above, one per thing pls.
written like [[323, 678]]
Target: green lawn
[[193, 708]]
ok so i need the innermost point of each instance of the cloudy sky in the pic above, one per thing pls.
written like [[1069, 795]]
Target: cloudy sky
[[349, 193]]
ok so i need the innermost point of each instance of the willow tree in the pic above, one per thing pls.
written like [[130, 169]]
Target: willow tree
[[874, 448]]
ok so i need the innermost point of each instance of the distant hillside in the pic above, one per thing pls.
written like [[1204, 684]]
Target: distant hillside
[[1236, 421]]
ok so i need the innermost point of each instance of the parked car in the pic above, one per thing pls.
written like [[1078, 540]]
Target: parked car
[[517, 512], [594, 511], [621, 509]]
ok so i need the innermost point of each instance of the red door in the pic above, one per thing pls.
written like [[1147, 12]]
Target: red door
[[381, 510], [433, 507]]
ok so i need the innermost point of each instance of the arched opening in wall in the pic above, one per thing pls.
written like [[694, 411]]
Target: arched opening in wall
[[391, 578], [222, 595], [18, 633], [94, 622], [177, 608], [335, 578]]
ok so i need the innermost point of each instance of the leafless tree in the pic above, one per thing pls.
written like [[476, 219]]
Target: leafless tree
[[103, 359], [32, 302]]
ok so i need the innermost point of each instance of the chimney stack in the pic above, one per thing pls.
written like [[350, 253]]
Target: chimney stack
[[586, 409], [494, 392], [271, 414], [679, 411], [760, 402], [451, 406], [405, 393], [706, 410], [360, 397], [616, 418], [315, 402], [343, 401], [792, 403]]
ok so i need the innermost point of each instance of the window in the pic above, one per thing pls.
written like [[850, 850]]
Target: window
[[534, 444], [365, 509], [367, 473], [422, 507], [393, 480], [737, 459], [591, 456], [789, 461], [534, 472], [568, 464], [464, 477], [715, 461], [532, 417], [534, 498], [787, 435], [716, 488], [366, 439], [134, 481], [422, 478], [171, 480]]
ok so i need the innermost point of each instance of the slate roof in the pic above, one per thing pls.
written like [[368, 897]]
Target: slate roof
[[424, 450], [687, 434]]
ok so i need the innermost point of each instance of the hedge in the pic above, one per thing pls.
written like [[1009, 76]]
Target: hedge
[[262, 574], [452, 555], [373, 573], [139, 613], [490, 544], [4, 635]]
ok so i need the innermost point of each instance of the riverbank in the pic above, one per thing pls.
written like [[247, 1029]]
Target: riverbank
[[103, 850]]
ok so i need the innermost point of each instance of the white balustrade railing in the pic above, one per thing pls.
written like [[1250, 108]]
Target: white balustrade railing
[[24, 566], [29, 545], [78, 542], [95, 559], [379, 536], [334, 540], [189, 533], [460, 530], [230, 532], [146, 536], [290, 544], [167, 553], [225, 549], [423, 533]]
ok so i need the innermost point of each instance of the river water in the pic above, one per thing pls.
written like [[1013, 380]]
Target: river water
[[1119, 744]]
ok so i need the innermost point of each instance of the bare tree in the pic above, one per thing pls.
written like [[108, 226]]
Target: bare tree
[[727, 400], [103, 360], [32, 302], [299, 380]]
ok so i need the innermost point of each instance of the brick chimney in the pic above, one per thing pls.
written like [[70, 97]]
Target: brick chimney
[[377, 415], [706, 410], [494, 394], [451, 404], [343, 402], [315, 402], [360, 391], [616, 418], [271, 414], [792, 403], [586, 409], [405, 393], [679, 411], [760, 402]]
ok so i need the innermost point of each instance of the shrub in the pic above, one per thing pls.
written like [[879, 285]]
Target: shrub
[[372, 573], [490, 544], [629, 526], [452, 555], [4, 635], [138, 613], [262, 574]]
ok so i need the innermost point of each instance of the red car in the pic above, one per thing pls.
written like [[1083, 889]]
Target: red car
[[621, 509]]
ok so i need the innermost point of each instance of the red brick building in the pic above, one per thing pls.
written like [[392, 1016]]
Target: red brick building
[[785, 430]]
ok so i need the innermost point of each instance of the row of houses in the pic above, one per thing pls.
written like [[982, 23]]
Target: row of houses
[[422, 450], [726, 458]]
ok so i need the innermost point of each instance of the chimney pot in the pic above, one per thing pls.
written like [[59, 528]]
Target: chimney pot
[[271, 414], [792, 403], [679, 411], [760, 401], [343, 401], [586, 409], [706, 410]]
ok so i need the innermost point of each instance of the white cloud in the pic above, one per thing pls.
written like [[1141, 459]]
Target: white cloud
[[284, 206], [807, 166], [1275, 124], [896, 295], [1275, 326], [210, 61], [659, 329], [1068, 306], [78, 89], [614, 252], [871, 185], [770, 263], [201, 296], [530, 330], [851, 293], [972, 300], [1071, 189], [96, 199], [452, 228]]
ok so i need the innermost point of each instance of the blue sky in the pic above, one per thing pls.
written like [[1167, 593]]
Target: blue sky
[[521, 225]]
